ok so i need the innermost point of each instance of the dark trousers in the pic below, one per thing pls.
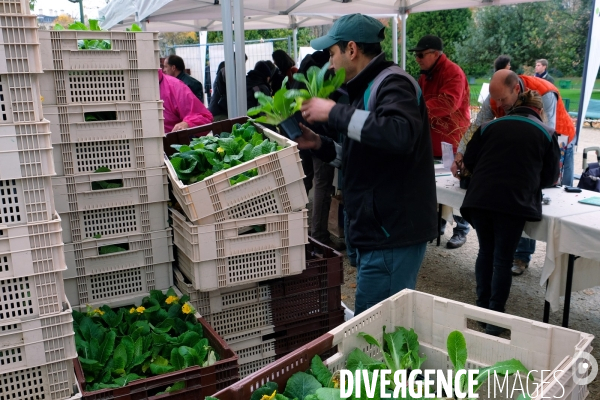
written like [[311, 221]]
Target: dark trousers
[[323, 190], [498, 236]]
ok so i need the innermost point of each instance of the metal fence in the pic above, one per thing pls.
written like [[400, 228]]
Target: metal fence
[[256, 50]]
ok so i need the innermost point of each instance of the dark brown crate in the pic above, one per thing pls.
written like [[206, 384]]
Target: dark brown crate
[[305, 306], [279, 371], [324, 269], [296, 335], [204, 380]]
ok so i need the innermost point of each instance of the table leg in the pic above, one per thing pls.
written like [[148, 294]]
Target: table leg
[[546, 308], [439, 238], [570, 268]]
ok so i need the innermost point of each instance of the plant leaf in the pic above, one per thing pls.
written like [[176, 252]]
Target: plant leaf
[[508, 367], [164, 326], [265, 390], [107, 347], [301, 385], [320, 371], [457, 350], [177, 360], [326, 393], [358, 357], [120, 357]]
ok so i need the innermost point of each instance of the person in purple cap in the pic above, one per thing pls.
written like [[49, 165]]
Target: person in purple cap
[[389, 182]]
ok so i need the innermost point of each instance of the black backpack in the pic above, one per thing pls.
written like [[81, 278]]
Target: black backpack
[[590, 179]]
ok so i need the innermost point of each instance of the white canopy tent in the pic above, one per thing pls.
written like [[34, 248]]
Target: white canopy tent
[[203, 15]]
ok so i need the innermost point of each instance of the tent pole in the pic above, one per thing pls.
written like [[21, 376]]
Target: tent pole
[[202, 39], [296, 44], [395, 38], [229, 62], [580, 115], [240, 62], [404, 17]]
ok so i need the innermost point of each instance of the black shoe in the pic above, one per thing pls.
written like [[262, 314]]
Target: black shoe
[[494, 330], [457, 240]]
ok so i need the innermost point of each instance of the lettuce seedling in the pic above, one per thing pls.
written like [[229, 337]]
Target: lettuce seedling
[[316, 84]]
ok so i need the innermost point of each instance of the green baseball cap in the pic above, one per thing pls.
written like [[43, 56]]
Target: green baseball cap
[[354, 27]]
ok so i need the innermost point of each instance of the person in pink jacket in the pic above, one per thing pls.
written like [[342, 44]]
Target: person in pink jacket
[[182, 108]]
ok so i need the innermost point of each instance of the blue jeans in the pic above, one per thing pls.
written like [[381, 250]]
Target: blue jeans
[[383, 273], [568, 167], [525, 249], [462, 226], [350, 251], [498, 237]]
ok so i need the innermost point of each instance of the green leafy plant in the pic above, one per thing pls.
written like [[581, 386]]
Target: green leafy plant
[[162, 335], [457, 352], [107, 184], [110, 249], [316, 84], [400, 349], [207, 155], [87, 44], [134, 28], [275, 109]]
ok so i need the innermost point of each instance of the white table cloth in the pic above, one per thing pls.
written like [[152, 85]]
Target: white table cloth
[[562, 205]]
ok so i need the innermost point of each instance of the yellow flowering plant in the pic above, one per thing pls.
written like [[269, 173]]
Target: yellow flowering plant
[[158, 336]]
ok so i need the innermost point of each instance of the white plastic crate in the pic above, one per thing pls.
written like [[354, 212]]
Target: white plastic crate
[[226, 258], [36, 342], [118, 288], [19, 7], [25, 150], [537, 345], [114, 221], [83, 192], [99, 85], [19, 44], [54, 381], [82, 158], [20, 98], [236, 237], [129, 50], [119, 121], [253, 349], [85, 258], [278, 188], [235, 271], [223, 299], [24, 201], [234, 311], [31, 249], [29, 297]]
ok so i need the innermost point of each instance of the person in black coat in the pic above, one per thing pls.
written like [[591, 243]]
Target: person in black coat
[[511, 160], [258, 80]]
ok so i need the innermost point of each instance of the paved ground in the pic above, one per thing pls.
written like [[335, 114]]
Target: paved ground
[[450, 274]]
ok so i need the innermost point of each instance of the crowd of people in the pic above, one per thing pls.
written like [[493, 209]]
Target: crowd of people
[[392, 129], [383, 130]]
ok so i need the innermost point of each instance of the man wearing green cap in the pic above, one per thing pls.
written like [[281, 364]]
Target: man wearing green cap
[[389, 184]]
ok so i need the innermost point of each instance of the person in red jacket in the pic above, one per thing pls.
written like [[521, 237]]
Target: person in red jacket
[[447, 96]]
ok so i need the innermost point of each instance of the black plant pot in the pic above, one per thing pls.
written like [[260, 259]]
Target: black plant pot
[[464, 182], [290, 126]]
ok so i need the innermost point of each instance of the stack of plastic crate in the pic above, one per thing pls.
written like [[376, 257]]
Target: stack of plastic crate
[[111, 188], [232, 239], [37, 345], [265, 318]]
